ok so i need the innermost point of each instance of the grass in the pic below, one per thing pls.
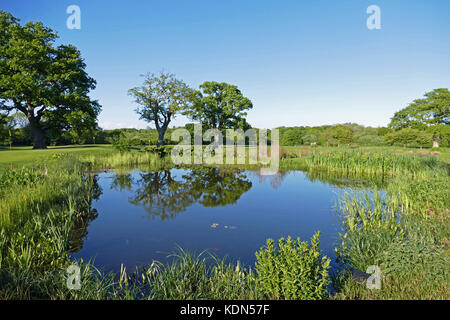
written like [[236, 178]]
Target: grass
[[26, 156], [411, 250], [405, 230]]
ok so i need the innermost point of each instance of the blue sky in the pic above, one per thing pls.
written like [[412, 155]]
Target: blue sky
[[309, 62]]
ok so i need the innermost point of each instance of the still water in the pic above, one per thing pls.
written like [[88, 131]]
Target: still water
[[143, 216]]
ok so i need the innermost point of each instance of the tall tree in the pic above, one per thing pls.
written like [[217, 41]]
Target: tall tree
[[430, 113], [160, 98], [220, 106], [39, 79]]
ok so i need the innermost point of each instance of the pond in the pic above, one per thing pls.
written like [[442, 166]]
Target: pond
[[141, 216]]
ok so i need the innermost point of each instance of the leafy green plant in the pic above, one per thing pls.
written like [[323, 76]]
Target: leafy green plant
[[293, 270], [23, 176]]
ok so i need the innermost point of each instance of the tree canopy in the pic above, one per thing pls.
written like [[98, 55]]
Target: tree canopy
[[220, 106], [40, 80], [160, 98], [430, 113]]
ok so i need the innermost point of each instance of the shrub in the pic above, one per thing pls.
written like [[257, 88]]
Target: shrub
[[294, 270], [23, 176]]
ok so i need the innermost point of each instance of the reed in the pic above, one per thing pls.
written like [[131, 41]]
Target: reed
[[378, 163], [125, 159]]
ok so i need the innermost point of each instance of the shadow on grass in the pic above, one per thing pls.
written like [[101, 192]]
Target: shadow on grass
[[23, 148]]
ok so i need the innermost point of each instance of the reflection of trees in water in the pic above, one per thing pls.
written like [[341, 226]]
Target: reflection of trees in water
[[213, 187], [164, 195], [79, 232], [122, 182], [161, 195], [339, 179]]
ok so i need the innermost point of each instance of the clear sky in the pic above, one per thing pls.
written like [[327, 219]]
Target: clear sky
[[303, 62]]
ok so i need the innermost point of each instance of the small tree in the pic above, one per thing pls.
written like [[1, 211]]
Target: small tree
[[161, 97]]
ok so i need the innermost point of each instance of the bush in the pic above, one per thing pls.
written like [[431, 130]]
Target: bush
[[294, 271], [370, 140]]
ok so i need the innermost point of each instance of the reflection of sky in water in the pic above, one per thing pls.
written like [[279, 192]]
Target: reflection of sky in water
[[232, 214]]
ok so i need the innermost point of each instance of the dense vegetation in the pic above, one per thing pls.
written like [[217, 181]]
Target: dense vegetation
[[405, 231]]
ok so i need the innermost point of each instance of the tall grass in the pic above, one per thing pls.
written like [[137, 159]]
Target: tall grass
[[125, 159], [54, 184], [378, 163], [411, 251]]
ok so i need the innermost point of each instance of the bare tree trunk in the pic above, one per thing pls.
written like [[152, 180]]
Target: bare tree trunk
[[161, 132], [37, 133]]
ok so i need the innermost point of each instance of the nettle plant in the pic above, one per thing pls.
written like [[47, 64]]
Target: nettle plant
[[294, 270]]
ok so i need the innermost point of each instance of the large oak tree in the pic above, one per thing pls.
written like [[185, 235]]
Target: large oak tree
[[430, 113], [43, 81]]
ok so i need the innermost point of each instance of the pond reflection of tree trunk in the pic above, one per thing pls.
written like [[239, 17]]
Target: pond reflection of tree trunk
[[165, 196]]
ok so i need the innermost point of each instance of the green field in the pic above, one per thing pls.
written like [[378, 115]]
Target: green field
[[25, 156]]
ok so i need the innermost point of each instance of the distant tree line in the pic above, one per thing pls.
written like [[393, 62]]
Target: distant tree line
[[16, 131]]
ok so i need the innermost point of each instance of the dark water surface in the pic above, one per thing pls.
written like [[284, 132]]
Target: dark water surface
[[143, 216]]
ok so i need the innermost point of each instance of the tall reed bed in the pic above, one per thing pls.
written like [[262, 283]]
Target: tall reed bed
[[40, 209], [30, 191], [377, 163], [125, 159]]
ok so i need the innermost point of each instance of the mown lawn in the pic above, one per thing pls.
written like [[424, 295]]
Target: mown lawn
[[24, 156]]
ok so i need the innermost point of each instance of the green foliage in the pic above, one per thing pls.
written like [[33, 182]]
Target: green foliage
[[310, 139], [160, 99], [220, 106], [294, 270], [81, 126], [40, 80], [339, 134], [161, 151], [408, 137], [291, 137], [369, 140], [424, 197], [434, 109], [428, 114], [23, 177]]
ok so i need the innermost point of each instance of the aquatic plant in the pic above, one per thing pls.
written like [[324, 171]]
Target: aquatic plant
[[292, 270]]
